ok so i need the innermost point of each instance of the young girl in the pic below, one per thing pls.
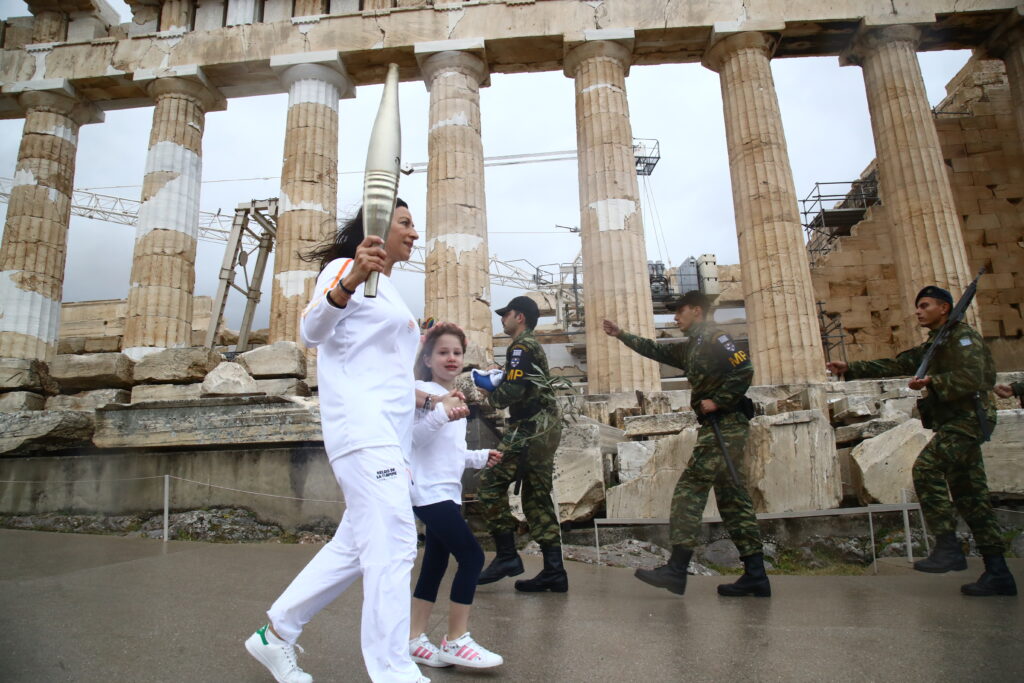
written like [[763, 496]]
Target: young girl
[[439, 456]]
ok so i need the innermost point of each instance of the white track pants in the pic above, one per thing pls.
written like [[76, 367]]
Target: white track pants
[[377, 540]]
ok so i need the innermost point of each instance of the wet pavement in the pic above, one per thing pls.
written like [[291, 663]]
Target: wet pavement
[[104, 608]]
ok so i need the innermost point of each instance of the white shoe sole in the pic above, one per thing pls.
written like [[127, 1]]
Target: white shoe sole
[[472, 665], [254, 649], [436, 663]]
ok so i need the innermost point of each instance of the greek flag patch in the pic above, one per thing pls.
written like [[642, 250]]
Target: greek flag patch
[[965, 342]]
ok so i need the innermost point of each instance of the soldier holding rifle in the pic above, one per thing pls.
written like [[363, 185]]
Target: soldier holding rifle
[[955, 368], [719, 375]]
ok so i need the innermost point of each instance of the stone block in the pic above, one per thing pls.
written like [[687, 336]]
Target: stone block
[[102, 344], [881, 465], [228, 379], [649, 496], [579, 473], [1004, 454], [283, 359], [208, 422], [176, 366], [44, 430], [850, 409], [143, 393], [864, 430], [88, 400], [92, 371], [667, 423], [17, 374], [13, 401], [791, 463], [632, 456], [284, 386]]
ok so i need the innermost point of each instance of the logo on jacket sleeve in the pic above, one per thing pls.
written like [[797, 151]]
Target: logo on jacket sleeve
[[387, 473]]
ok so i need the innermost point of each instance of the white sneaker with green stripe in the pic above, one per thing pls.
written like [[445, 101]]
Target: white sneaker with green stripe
[[277, 655]]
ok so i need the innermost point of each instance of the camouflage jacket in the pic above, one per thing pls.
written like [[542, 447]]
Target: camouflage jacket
[[715, 367], [960, 367], [524, 398]]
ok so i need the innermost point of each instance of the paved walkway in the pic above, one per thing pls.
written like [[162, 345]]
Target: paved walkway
[[101, 608]]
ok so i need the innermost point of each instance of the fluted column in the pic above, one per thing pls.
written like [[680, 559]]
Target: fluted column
[[785, 341], [611, 223], [34, 246], [176, 14], [159, 311], [928, 245], [457, 279], [308, 208]]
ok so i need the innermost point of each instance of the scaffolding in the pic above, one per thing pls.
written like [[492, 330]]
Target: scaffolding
[[832, 334], [647, 153], [850, 201]]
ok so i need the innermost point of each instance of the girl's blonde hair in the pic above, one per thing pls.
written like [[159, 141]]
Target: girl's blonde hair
[[427, 343]]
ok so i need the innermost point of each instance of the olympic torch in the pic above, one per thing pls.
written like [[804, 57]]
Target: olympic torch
[[383, 158]]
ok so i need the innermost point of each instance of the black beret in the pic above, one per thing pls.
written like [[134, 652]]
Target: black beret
[[934, 292], [691, 298]]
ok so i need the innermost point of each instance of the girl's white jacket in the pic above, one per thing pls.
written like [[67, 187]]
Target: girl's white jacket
[[365, 355], [439, 453]]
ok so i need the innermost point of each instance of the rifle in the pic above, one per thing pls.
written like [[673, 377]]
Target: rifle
[[955, 316], [712, 418]]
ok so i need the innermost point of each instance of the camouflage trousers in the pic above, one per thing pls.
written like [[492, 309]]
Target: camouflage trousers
[[535, 460], [951, 465], [707, 468]]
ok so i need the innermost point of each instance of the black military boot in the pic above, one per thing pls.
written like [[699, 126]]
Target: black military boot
[[671, 576], [995, 580], [505, 563], [552, 578], [947, 555], [753, 582]]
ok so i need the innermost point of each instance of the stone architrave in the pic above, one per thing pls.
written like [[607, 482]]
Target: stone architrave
[[92, 371], [176, 366], [44, 430], [611, 223], [785, 340], [159, 309], [88, 400], [791, 463], [307, 212], [457, 283], [927, 238], [34, 246]]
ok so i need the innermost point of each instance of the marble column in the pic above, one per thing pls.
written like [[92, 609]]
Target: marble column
[[457, 277], [307, 212], [1008, 45], [159, 311], [176, 14], [928, 244], [785, 339], [34, 246], [616, 284]]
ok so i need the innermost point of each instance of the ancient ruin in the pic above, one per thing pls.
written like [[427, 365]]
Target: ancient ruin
[[86, 391]]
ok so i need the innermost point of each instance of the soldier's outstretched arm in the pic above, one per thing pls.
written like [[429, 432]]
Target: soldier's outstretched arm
[[670, 354], [902, 365]]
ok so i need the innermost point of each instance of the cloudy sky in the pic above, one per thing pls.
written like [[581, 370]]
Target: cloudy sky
[[687, 201]]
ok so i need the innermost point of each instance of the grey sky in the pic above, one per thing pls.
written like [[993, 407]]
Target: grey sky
[[687, 201]]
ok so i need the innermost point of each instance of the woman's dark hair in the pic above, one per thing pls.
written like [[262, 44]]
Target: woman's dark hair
[[343, 243], [421, 371]]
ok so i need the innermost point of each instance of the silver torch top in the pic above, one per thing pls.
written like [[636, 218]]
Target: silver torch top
[[383, 159]]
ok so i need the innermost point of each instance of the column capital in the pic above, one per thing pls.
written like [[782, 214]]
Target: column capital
[[467, 55], [322, 66], [870, 38], [182, 80], [1008, 34], [57, 95], [721, 49], [615, 43]]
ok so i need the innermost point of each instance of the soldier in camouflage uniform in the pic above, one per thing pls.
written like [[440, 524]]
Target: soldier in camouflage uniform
[[719, 375], [529, 444], [960, 410]]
